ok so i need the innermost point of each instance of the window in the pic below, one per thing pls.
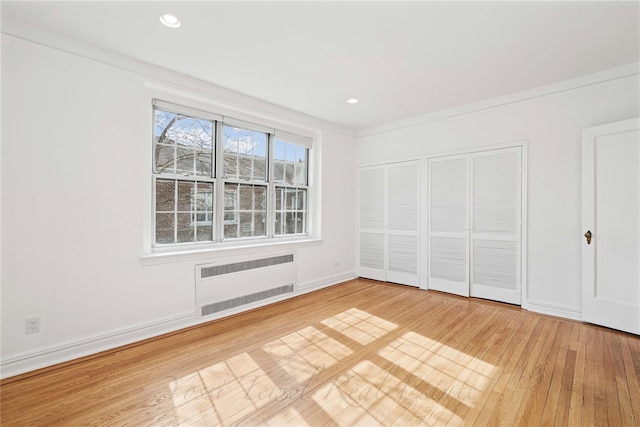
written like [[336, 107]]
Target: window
[[183, 178], [217, 180], [290, 177]]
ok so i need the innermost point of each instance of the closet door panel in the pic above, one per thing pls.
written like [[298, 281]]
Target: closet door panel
[[495, 225], [403, 214], [371, 220], [448, 220]]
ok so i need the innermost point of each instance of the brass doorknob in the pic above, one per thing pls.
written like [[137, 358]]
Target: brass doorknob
[[588, 236]]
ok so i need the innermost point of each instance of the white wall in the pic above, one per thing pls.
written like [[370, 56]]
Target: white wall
[[73, 197], [552, 125]]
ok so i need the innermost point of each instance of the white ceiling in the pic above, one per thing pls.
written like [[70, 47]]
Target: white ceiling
[[401, 59]]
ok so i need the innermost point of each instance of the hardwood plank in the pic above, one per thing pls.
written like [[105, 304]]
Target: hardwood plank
[[362, 352]]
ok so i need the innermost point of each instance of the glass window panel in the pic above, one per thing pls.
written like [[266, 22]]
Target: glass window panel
[[301, 200], [203, 163], [185, 228], [231, 230], [165, 226], [290, 223], [230, 165], [279, 222], [260, 169], [300, 174], [291, 195], [165, 195], [288, 173], [164, 158], [248, 149], [278, 171], [245, 168], [186, 193], [188, 131], [162, 124], [279, 198], [259, 224], [246, 224], [246, 197], [204, 197], [260, 198], [184, 161], [205, 233], [301, 154]]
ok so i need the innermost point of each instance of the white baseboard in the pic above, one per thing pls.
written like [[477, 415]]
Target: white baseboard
[[573, 313], [314, 285], [49, 356]]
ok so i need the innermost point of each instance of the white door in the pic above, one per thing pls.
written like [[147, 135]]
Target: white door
[[402, 223], [371, 222], [611, 218], [496, 225], [388, 222], [448, 224]]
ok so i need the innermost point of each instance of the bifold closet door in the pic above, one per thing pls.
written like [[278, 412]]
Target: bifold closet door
[[448, 229], [388, 222], [371, 222], [403, 203], [496, 186]]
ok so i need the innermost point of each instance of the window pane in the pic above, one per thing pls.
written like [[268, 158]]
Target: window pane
[[165, 226], [165, 195], [278, 171], [279, 223], [186, 232], [290, 163], [259, 224], [245, 154], [205, 233], [260, 198], [246, 224], [245, 210], [186, 196], [183, 144], [203, 163], [300, 174], [246, 198], [204, 200], [291, 210], [165, 158]]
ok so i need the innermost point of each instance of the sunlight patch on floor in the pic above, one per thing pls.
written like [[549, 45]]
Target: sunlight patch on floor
[[304, 353], [453, 372], [370, 395], [226, 391], [360, 326]]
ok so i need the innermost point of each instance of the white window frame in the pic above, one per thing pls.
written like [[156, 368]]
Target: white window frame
[[153, 254]]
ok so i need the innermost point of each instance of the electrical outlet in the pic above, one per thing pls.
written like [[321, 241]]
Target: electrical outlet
[[32, 326]]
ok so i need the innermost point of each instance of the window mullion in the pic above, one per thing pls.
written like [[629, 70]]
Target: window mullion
[[219, 183], [271, 189]]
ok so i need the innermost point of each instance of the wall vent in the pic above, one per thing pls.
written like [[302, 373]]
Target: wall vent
[[242, 281], [217, 270], [217, 307]]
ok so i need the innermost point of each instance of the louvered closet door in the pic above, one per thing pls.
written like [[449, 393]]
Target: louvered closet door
[[495, 225], [402, 218], [371, 233], [448, 241]]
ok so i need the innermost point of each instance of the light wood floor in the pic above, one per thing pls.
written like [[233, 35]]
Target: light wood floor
[[360, 353]]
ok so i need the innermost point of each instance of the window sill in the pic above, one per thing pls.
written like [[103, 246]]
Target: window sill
[[204, 254]]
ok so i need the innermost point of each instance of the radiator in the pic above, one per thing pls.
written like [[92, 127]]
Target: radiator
[[240, 283]]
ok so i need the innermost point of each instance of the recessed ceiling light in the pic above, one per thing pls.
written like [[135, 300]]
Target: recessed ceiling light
[[170, 21], [352, 101]]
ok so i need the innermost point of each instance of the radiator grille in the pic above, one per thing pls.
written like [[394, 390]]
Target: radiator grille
[[247, 299], [217, 270]]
